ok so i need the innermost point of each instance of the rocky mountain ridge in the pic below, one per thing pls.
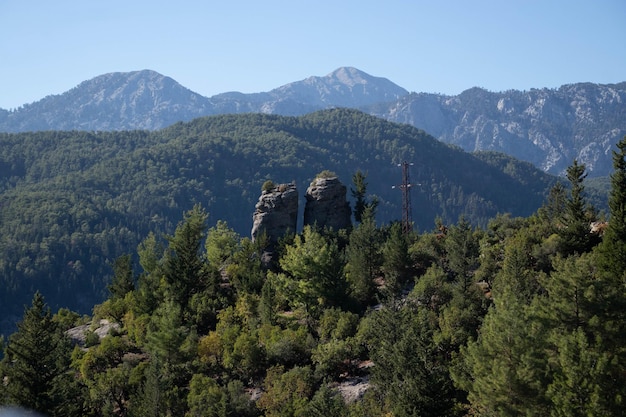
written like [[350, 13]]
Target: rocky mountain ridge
[[547, 127]]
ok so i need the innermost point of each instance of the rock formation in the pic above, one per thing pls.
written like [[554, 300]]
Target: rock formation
[[326, 204], [276, 213]]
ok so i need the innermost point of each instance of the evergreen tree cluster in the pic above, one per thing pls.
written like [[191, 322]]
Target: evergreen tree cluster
[[522, 317]]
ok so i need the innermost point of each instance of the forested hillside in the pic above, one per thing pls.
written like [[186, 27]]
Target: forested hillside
[[521, 316], [72, 202]]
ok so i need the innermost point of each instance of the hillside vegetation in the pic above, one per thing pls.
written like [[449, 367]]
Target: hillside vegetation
[[72, 202], [521, 316]]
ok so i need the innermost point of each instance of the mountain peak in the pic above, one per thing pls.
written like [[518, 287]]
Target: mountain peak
[[346, 86], [115, 79], [141, 99], [349, 76]]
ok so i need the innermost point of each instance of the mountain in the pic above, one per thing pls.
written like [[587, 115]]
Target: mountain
[[115, 101], [73, 201], [547, 127], [345, 87], [148, 100]]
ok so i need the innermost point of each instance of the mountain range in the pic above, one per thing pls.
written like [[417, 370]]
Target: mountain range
[[548, 127]]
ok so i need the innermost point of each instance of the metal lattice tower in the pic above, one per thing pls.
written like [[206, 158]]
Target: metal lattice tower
[[407, 219]]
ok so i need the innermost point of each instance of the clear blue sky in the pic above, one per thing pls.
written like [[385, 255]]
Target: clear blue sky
[[210, 47]]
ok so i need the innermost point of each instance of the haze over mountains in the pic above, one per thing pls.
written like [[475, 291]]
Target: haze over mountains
[[547, 127]]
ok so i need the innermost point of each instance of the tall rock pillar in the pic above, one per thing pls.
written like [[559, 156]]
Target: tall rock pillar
[[275, 214], [326, 204]]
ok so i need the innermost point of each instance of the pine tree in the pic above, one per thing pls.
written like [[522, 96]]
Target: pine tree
[[571, 300], [123, 278], [149, 291], [613, 246], [576, 359], [411, 371], [505, 366], [246, 271], [396, 262], [166, 333], [433, 289], [314, 270], [36, 361], [579, 381], [518, 272], [577, 215], [462, 248], [173, 346], [359, 194], [363, 260], [222, 243], [239, 402], [553, 208], [150, 399], [185, 270], [611, 284], [121, 289]]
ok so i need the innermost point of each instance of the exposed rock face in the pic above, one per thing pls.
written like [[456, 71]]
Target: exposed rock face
[[326, 204], [78, 335], [548, 127], [276, 213]]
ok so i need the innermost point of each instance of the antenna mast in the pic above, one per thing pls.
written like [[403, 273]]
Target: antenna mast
[[407, 220]]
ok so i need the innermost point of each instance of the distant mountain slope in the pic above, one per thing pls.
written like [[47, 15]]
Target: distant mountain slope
[[547, 127], [71, 202], [345, 87], [116, 101]]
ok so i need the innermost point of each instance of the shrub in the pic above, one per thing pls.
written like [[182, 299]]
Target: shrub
[[268, 186], [326, 174]]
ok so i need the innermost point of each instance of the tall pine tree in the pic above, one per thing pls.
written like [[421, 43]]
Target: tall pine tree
[[123, 278], [613, 247], [185, 269], [577, 215], [611, 285], [503, 369], [364, 261], [36, 362], [360, 202]]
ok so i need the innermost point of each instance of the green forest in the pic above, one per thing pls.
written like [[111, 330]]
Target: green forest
[[519, 316], [73, 202]]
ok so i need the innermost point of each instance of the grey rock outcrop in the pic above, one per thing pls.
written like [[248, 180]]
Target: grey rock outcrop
[[276, 213], [326, 204], [78, 335]]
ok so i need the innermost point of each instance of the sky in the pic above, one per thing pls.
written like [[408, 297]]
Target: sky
[[211, 47]]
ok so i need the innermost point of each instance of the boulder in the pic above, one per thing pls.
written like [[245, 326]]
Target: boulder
[[326, 204]]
